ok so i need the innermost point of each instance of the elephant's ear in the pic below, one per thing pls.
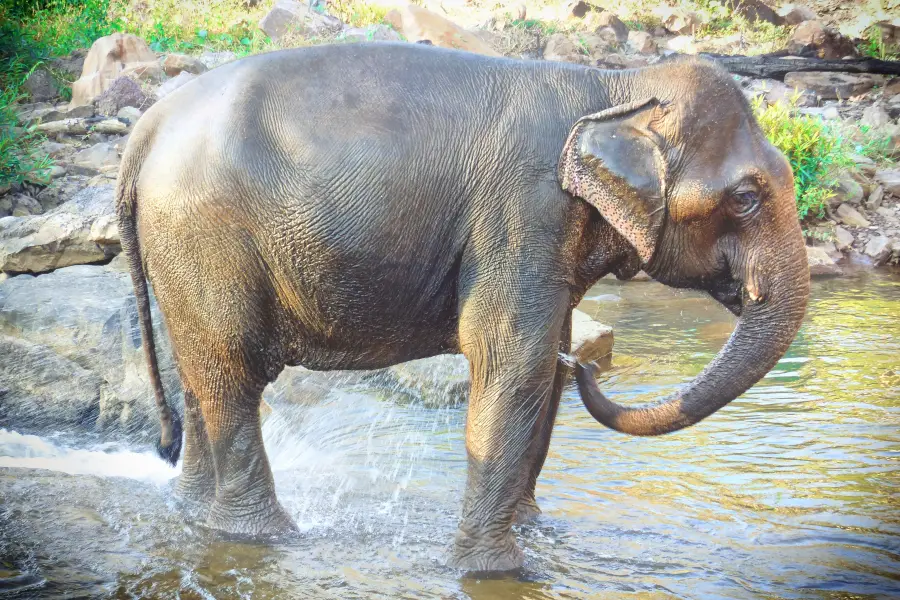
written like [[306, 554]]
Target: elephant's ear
[[612, 160]]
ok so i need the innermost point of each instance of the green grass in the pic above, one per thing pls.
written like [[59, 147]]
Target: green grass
[[815, 150], [357, 13], [874, 45]]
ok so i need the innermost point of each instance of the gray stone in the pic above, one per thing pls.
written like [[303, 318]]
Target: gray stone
[[560, 48], [890, 179], [884, 211], [794, 14], [832, 86], [68, 126], [874, 200], [879, 248], [58, 238], [287, 16], [874, 116], [850, 216], [611, 29], [41, 86], [173, 84], [123, 91], [215, 59], [848, 190], [24, 205], [642, 42], [820, 264], [843, 239], [60, 190], [129, 113], [174, 64], [824, 42], [373, 33], [681, 22], [865, 164], [54, 149], [99, 155], [110, 127]]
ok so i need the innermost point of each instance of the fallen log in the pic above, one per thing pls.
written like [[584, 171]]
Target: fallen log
[[776, 67]]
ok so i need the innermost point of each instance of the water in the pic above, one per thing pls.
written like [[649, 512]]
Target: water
[[792, 491]]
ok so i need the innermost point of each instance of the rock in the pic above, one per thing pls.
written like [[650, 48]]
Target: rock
[[560, 48], [843, 239], [24, 205], [58, 238], [885, 212], [71, 65], [890, 179], [97, 156], [145, 71], [42, 390], [891, 89], [642, 42], [848, 190], [832, 86], [60, 190], [875, 197], [417, 23], [681, 22], [865, 164], [620, 61], [820, 264], [879, 248], [591, 341], [41, 86], [794, 14], [214, 59], [129, 113], [174, 64], [814, 37], [874, 116], [777, 91], [110, 127], [87, 316], [753, 11], [108, 58], [76, 112], [105, 231], [375, 33], [850, 216], [122, 92], [578, 8], [596, 46], [289, 16], [611, 29], [173, 84], [69, 126]]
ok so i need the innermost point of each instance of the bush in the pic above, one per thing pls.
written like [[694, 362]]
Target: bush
[[814, 149]]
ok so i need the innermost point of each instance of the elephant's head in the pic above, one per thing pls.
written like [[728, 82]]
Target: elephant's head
[[683, 172]]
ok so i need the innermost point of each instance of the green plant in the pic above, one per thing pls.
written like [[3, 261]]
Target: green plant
[[19, 155], [814, 149], [874, 45], [358, 13]]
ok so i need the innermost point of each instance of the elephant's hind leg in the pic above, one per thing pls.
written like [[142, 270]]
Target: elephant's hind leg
[[197, 482]]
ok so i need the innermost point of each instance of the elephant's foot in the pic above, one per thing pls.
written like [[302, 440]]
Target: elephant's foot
[[527, 511], [196, 489], [485, 554], [264, 519]]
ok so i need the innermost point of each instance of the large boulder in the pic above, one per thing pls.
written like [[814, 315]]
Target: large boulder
[[832, 86], [108, 58], [419, 24], [289, 16], [60, 237], [122, 92], [560, 48], [611, 28], [890, 179], [41, 86]]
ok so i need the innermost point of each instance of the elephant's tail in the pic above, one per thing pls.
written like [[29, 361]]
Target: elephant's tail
[[169, 445]]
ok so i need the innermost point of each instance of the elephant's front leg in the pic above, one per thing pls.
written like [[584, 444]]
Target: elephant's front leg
[[512, 358]]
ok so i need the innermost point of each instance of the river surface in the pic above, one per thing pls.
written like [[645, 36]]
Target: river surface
[[792, 491]]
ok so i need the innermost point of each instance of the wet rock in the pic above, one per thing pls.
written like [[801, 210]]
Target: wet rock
[[41, 86], [108, 58], [611, 29], [376, 33], [288, 16], [850, 216], [814, 37], [41, 389], [890, 179], [843, 239], [87, 316], [848, 190], [173, 64], [875, 197], [642, 42], [417, 23], [129, 113], [874, 116], [879, 248], [832, 86], [97, 156], [122, 92], [173, 84], [560, 48], [591, 341], [820, 264], [794, 14], [58, 238]]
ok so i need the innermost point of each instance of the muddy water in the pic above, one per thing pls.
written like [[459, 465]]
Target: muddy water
[[793, 491]]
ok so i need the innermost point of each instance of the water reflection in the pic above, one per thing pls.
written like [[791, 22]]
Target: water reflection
[[790, 492]]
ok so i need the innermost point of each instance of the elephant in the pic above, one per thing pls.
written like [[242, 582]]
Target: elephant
[[354, 206]]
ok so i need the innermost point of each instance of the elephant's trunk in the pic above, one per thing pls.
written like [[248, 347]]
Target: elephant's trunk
[[765, 330]]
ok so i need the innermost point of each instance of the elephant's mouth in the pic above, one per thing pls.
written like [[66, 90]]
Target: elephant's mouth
[[729, 294]]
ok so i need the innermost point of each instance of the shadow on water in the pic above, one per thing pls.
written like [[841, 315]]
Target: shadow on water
[[790, 492]]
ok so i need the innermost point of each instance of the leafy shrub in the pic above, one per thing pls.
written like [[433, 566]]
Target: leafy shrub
[[815, 150], [357, 13], [875, 46]]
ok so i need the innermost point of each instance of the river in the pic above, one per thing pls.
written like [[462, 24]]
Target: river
[[792, 491]]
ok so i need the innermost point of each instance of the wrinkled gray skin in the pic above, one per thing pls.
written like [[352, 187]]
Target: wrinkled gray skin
[[356, 206]]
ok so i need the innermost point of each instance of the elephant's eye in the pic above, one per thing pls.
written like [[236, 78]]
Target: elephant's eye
[[747, 201]]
